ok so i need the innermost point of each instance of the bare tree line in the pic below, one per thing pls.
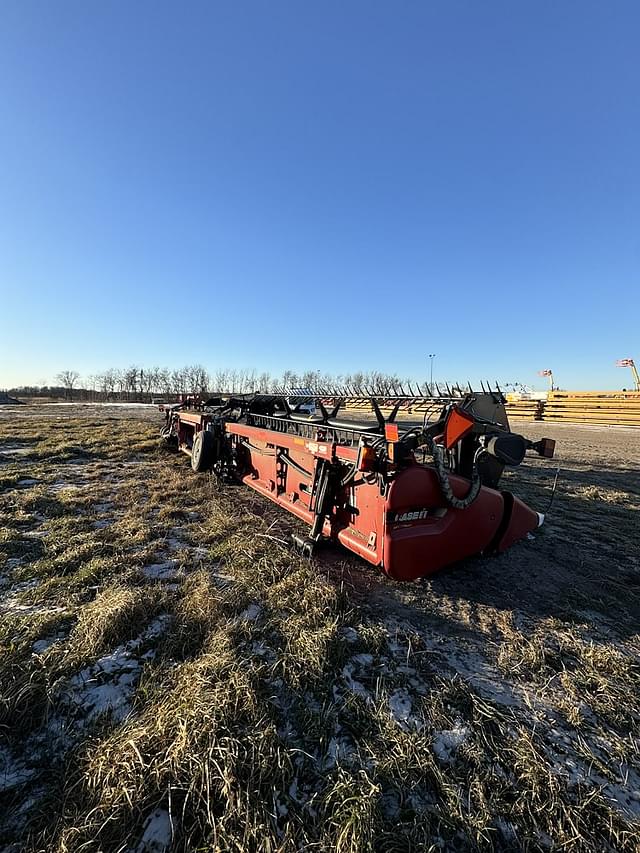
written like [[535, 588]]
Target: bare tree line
[[143, 384]]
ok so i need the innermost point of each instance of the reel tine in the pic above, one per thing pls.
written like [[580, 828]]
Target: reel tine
[[394, 412], [378, 414]]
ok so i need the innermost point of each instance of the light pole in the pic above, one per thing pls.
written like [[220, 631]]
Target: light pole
[[432, 355]]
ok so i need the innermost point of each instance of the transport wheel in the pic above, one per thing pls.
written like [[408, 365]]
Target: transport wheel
[[202, 451]]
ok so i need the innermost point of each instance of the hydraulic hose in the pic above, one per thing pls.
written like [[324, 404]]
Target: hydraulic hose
[[443, 478]]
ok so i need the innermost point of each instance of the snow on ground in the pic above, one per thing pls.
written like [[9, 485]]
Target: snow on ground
[[115, 405], [108, 685], [451, 654], [40, 646], [10, 605], [251, 614], [13, 772], [156, 837], [14, 450], [161, 571], [400, 705], [446, 743], [61, 486], [352, 684]]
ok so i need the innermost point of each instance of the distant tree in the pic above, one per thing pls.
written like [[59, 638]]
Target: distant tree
[[220, 380], [264, 383], [68, 378], [131, 378], [120, 380]]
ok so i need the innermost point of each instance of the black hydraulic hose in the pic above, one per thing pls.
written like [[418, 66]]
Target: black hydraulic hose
[[443, 478], [287, 460], [349, 476], [261, 450]]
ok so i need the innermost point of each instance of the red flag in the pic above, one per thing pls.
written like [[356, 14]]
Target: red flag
[[545, 373], [625, 362]]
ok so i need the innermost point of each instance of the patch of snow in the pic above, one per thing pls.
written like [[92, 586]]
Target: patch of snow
[[390, 805], [338, 749], [446, 743], [622, 794], [154, 629], [157, 833], [60, 486], [14, 450], [161, 571], [251, 614], [452, 654], [262, 650], [107, 686], [400, 705], [13, 772], [27, 481], [10, 605], [350, 634], [352, 684], [200, 552], [41, 646], [507, 830], [35, 534]]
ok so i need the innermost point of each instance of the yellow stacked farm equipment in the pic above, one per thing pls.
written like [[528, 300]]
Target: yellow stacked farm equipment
[[524, 409], [616, 408]]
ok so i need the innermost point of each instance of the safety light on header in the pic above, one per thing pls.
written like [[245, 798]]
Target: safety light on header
[[366, 457], [391, 432], [458, 424]]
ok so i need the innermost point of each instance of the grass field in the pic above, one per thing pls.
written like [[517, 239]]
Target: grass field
[[174, 677]]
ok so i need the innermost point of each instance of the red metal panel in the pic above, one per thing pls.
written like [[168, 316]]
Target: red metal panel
[[443, 535], [523, 520]]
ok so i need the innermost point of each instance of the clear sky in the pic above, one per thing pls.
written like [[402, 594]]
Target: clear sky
[[331, 185]]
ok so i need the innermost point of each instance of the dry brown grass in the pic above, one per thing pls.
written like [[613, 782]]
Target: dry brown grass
[[269, 703]]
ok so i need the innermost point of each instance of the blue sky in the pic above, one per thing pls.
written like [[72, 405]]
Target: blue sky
[[333, 186]]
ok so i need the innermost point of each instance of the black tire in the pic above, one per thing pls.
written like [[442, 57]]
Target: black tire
[[202, 451]]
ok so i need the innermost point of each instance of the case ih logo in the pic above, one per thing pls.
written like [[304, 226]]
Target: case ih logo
[[412, 515]]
